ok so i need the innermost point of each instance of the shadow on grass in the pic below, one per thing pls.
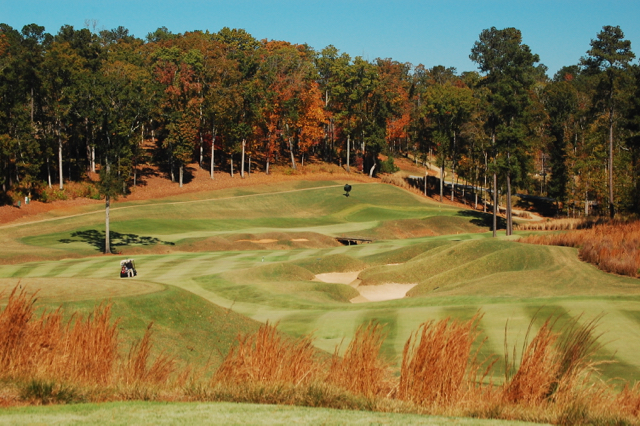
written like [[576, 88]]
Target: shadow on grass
[[484, 220], [96, 239]]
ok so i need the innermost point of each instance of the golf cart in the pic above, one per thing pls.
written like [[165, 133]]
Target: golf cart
[[128, 268]]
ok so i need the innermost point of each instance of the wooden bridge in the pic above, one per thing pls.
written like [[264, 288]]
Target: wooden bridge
[[348, 241]]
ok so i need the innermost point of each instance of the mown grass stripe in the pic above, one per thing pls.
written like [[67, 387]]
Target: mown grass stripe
[[389, 319]]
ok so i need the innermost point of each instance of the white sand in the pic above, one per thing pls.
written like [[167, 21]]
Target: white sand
[[379, 293], [338, 277], [368, 293]]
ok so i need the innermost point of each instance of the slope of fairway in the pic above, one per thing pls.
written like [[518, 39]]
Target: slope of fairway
[[295, 218], [184, 325], [77, 289], [499, 268]]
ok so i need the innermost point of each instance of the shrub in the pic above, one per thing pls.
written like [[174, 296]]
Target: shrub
[[387, 166]]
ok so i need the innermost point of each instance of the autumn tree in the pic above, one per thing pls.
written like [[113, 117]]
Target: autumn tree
[[178, 72]]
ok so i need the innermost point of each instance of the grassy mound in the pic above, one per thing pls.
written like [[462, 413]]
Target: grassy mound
[[276, 284], [493, 268], [402, 254], [184, 325], [332, 263], [271, 272], [290, 294], [425, 227]]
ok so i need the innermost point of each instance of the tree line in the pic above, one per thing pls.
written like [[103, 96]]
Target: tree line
[[82, 100]]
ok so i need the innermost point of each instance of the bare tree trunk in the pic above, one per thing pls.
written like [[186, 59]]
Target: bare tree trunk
[[509, 213], [453, 168], [181, 173], [293, 160], [60, 158], [441, 180], [348, 140], [107, 242], [495, 203], [242, 163], [267, 168], [213, 150], [231, 161], [48, 172], [484, 197], [612, 211], [201, 150], [371, 170]]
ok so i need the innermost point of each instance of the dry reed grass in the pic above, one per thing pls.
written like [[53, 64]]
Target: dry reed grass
[[82, 350], [565, 224], [361, 370], [43, 360], [268, 357], [50, 355], [136, 368], [613, 247], [438, 366]]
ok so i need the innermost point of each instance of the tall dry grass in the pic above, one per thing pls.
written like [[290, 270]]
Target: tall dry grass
[[438, 366], [137, 368], [613, 247], [565, 224], [553, 378], [269, 357], [82, 351], [554, 364], [362, 370]]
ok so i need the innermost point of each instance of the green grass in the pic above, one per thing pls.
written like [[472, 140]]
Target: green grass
[[185, 326], [126, 413], [459, 270]]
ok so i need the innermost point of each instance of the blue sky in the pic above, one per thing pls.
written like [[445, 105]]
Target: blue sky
[[427, 32]]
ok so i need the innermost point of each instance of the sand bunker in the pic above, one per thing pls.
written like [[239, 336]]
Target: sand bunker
[[382, 292], [299, 239], [74, 289], [338, 277], [368, 293]]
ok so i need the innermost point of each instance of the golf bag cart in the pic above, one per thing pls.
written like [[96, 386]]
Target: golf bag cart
[[128, 268]]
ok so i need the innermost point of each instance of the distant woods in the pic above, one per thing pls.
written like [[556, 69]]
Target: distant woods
[[82, 101]]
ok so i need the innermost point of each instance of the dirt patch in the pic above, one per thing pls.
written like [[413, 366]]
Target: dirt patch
[[263, 241], [75, 289]]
